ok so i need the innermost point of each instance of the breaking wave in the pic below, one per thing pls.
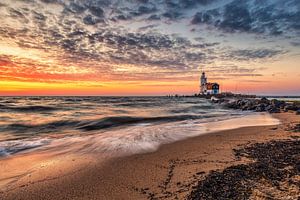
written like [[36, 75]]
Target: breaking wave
[[17, 146], [106, 123], [92, 125], [28, 108]]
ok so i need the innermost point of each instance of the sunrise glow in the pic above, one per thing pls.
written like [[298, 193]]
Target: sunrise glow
[[148, 48]]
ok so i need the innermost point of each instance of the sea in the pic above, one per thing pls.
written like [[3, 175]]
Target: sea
[[111, 125]]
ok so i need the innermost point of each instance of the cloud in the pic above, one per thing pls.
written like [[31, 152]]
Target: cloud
[[97, 11], [244, 75], [104, 35], [295, 43], [253, 54], [268, 17], [154, 17], [236, 17], [148, 27], [75, 8], [50, 1]]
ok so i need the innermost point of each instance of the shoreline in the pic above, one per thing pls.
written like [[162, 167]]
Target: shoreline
[[56, 145], [170, 172]]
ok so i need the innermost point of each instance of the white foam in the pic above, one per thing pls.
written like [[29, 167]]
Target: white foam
[[138, 138], [15, 146], [141, 139]]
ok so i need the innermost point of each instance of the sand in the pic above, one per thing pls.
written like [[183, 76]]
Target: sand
[[171, 172]]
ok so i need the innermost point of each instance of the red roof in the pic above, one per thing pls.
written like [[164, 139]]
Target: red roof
[[209, 86]]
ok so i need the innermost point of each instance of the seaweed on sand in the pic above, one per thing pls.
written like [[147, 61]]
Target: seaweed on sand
[[275, 168]]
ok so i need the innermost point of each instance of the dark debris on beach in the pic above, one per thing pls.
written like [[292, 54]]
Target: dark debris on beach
[[273, 174], [294, 128]]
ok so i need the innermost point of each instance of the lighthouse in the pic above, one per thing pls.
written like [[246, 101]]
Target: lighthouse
[[208, 88], [203, 83]]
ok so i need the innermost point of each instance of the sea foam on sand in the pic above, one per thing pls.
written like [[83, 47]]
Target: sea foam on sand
[[142, 138], [139, 138]]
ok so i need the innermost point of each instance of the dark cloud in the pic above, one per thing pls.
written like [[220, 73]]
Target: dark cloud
[[172, 15], [250, 54], [296, 44], [151, 27], [133, 48], [17, 13], [39, 16], [236, 17], [121, 17], [205, 45], [90, 20], [195, 3], [185, 4], [76, 8], [123, 32], [136, 40], [268, 17], [142, 1], [50, 1], [204, 17], [99, 3], [191, 56], [97, 11], [154, 17], [253, 16], [146, 10]]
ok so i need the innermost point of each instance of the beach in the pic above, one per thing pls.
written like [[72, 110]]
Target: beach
[[172, 172], [149, 100]]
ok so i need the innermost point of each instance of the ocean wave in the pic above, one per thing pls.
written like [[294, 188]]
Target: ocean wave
[[109, 122], [198, 109], [35, 98], [73, 100], [39, 128], [142, 104], [132, 139], [92, 125], [28, 108]]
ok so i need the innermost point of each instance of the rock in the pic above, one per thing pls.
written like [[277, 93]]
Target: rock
[[278, 104], [298, 112], [269, 107], [260, 108], [264, 100], [261, 105], [274, 110], [215, 99], [249, 105], [291, 107], [232, 105]]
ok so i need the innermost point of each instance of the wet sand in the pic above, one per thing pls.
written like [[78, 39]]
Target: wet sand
[[172, 172]]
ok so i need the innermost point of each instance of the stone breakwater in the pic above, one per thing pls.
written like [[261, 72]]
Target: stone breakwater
[[260, 105]]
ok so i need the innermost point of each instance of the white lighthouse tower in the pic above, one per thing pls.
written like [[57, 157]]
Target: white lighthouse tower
[[203, 83]]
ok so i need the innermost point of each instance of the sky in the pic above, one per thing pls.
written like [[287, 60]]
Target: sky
[[148, 47]]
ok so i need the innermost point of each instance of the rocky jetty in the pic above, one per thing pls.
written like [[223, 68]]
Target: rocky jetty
[[260, 105], [272, 174]]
